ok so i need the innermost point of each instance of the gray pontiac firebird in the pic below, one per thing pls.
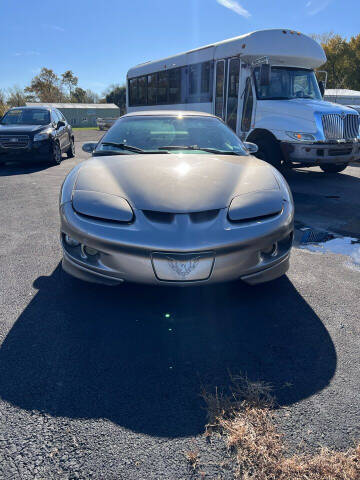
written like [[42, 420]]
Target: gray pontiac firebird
[[175, 198]]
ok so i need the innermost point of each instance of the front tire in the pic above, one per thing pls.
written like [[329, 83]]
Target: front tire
[[270, 152], [333, 168], [71, 150], [55, 155]]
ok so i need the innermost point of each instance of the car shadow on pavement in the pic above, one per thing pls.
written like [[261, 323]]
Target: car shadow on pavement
[[139, 356]]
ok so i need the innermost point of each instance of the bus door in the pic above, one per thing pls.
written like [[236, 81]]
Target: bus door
[[246, 103], [232, 93], [219, 89]]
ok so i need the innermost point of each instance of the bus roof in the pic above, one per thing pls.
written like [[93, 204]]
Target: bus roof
[[281, 46]]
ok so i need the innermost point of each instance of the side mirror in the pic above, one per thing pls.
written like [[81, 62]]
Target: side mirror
[[89, 147], [322, 88], [265, 74], [251, 147], [60, 124]]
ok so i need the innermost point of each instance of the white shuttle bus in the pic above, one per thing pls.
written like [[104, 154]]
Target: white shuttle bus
[[263, 85]]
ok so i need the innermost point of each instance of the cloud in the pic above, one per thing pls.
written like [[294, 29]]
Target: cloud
[[316, 6], [26, 54], [235, 7], [53, 27]]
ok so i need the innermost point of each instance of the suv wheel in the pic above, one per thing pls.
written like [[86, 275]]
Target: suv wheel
[[71, 150], [333, 168], [55, 155]]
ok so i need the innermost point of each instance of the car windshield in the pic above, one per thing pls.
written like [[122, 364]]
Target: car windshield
[[26, 116], [162, 133], [288, 83]]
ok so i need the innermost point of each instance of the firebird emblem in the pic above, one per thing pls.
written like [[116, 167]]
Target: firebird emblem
[[183, 268]]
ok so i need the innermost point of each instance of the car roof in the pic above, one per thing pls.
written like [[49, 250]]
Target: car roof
[[26, 107], [171, 113]]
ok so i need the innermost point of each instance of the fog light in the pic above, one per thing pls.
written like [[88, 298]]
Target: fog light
[[90, 251], [71, 241]]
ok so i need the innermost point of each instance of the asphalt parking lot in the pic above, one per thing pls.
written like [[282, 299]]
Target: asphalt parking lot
[[104, 382]]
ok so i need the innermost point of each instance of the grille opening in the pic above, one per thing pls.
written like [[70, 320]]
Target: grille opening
[[337, 127], [205, 216], [14, 141], [159, 217]]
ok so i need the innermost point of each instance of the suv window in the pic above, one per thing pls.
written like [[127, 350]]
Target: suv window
[[55, 117]]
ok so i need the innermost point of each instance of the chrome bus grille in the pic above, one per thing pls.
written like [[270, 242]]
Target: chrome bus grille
[[338, 127], [14, 141]]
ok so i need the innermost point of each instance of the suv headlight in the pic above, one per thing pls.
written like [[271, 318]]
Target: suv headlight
[[301, 137], [43, 135]]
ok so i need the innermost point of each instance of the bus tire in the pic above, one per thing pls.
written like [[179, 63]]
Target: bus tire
[[269, 151], [333, 168]]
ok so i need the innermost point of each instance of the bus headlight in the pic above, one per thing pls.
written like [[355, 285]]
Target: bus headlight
[[301, 137]]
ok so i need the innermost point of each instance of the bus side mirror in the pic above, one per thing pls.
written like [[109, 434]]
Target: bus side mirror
[[322, 88], [265, 75]]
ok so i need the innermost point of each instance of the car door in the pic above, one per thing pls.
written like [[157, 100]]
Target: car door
[[67, 130], [61, 133]]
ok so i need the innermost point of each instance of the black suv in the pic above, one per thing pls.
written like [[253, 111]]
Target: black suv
[[35, 133]]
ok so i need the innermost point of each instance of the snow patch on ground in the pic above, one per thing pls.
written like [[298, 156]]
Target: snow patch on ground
[[347, 246]]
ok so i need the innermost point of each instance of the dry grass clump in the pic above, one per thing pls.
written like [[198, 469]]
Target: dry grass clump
[[245, 417], [192, 457]]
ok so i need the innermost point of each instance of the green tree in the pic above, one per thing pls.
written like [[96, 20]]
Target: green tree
[[79, 95], [16, 97], [69, 80], [3, 105], [343, 60], [46, 87], [117, 94]]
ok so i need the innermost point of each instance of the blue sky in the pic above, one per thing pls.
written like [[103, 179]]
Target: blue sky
[[100, 40]]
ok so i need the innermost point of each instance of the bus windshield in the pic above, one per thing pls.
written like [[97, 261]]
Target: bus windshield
[[288, 83]]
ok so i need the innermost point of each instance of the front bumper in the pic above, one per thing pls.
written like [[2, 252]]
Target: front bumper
[[127, 252], [320, 153], [35, 151]]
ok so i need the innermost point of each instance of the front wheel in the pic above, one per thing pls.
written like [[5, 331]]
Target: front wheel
[[270, 152], [71, 150], [55, 155], [333, 168]]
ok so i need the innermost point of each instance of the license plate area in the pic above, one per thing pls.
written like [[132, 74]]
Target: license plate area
[[182, 267]]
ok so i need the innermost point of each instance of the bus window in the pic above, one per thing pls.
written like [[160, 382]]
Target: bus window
[[133, 92], [163, 84], [247, 107], [174, 85], [142, 84], [219, 94], [151, 88], [205, 77], [193, 79]]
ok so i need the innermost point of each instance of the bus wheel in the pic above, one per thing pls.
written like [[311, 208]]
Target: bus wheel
[[332, 168], [270, 152]]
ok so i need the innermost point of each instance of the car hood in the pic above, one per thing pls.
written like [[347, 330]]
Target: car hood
[[20, 129], [302, 107], [177, 183]]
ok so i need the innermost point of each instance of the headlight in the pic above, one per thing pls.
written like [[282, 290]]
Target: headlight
[[102, 206], [43, 135], [301, 137], [256, 205]]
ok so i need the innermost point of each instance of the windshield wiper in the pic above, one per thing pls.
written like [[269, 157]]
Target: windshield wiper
[[195, 147], [123, 146]]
